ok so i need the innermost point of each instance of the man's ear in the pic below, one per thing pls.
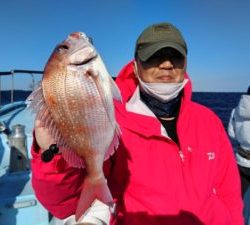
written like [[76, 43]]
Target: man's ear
[[135, 68], [185, 65]]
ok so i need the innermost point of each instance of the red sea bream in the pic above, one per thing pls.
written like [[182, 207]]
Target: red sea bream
[[75, 102]]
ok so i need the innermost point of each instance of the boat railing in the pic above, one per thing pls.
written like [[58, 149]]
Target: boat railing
[[13, 73]]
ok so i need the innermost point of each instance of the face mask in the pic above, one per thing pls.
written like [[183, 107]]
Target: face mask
[[162, 91]]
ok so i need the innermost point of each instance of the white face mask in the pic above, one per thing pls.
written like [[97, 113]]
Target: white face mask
[[161, 91]]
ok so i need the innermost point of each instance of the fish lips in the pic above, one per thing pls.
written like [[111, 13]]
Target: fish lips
[[82, 57]]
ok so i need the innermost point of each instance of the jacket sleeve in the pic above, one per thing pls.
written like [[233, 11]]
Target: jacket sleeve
[[57, 185], [231, 124], [228, 187]]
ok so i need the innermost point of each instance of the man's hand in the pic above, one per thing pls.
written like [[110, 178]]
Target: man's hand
[[98, 214], [43, 137]]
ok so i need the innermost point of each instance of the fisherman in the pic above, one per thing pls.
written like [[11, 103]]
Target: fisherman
[[239, 130], [174, 164]]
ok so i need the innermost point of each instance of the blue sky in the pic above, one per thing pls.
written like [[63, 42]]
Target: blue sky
[[217, 33]]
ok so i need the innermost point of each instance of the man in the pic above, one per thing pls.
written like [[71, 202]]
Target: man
[[174, 164]]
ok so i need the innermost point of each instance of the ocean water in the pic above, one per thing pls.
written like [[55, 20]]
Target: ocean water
[[221, 103]]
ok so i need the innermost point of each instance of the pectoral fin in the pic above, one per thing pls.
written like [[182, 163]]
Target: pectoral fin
[[115, 90]]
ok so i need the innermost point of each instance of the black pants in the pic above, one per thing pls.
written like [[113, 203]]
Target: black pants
[[245, 178]]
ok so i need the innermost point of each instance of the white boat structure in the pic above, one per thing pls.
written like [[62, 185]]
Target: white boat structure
[[18, 203]]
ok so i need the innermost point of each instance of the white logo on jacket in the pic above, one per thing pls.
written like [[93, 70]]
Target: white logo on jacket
[[211, 155]]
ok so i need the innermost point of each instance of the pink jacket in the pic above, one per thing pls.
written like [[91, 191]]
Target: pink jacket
[[154, 180]]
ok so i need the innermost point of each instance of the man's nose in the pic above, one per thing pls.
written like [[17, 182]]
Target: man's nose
[[166, 64]]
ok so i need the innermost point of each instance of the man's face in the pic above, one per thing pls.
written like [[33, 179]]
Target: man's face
[[165, 66]]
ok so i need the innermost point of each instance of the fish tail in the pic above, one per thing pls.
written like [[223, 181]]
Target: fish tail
[[91, 191]]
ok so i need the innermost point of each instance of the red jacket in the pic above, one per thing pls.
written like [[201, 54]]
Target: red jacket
[[154, 180]]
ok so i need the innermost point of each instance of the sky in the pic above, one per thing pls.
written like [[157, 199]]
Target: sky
[[217, 33]]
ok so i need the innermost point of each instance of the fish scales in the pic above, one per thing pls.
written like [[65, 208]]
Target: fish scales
[[73, 105]]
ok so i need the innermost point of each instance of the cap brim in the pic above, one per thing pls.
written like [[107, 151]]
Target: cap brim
[[145, 53]]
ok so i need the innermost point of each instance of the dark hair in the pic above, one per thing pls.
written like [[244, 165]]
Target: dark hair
[[248, 90]]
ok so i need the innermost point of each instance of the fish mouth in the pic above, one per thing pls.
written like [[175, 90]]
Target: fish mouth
[[84, 62], [77, 51], [82, 56]]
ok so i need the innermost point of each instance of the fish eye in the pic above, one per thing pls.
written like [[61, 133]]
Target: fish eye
[[62, 47]]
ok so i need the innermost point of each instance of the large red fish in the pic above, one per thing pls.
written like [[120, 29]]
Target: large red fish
[[75, 102]]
